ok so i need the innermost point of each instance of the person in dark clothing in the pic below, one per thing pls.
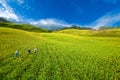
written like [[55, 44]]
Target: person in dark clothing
[[29, 51]]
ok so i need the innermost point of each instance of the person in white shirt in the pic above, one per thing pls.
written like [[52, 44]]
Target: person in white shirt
[[16, 54], [35, 50]]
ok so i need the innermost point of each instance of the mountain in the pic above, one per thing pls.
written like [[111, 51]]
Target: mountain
[[3, 20]]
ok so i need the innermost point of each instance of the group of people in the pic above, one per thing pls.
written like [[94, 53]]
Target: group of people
[[28, 52]]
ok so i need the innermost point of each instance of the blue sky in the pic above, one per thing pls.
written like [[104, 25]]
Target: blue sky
[[91, 13]]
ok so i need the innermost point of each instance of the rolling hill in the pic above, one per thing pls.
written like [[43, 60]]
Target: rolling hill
[[27, 27], [3, 20], [99, 33]]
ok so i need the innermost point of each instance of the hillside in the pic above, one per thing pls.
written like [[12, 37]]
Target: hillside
[[3, 20], [59, 56], [101, 33], [25, 27]]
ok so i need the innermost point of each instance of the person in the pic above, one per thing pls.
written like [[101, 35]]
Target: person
[[35, 50], [29, 51], [16, 54]]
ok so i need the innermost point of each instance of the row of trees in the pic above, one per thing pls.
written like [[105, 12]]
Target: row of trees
[[77, 27], [108, 27], [88, 28]]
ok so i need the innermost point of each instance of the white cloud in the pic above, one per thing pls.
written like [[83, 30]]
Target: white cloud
[[7, 12], [107, 20], [20, 1], [50, 23]]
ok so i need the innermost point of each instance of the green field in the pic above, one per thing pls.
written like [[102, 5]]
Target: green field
[[60, 56]]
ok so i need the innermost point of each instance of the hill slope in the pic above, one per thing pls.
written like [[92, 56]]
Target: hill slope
[[101, 33], [25, 27], [59, 56], [3, 20]]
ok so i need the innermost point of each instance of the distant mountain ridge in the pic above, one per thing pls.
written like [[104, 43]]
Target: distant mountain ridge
[[3, 20]]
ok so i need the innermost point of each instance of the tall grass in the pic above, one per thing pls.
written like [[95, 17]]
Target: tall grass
[[59, 56]]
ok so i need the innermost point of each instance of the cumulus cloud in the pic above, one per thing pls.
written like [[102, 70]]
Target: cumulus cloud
[[107, 20], [7, 12], [20, 1], [50, 23]]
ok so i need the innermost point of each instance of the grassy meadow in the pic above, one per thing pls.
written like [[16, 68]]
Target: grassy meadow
[[60, 56]]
